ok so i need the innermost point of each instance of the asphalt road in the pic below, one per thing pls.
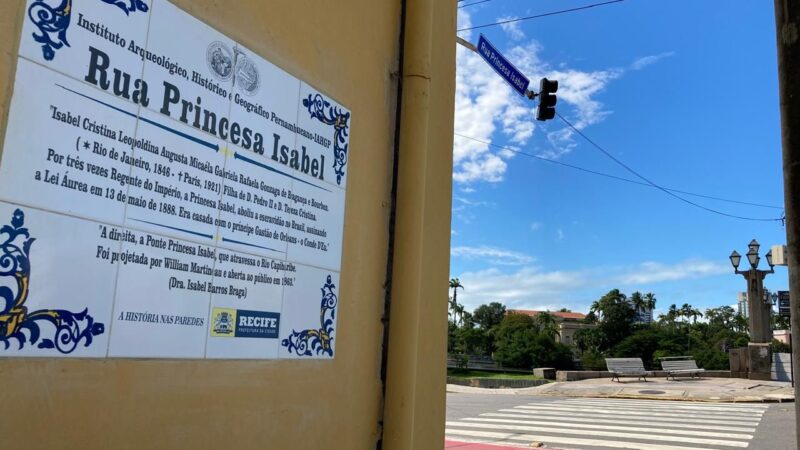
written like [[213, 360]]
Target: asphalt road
[[606, 424]]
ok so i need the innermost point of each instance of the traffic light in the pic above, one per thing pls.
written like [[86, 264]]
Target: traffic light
[[547, 99]]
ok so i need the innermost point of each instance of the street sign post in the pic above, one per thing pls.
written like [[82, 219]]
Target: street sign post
[[784, 306], [502, 66]]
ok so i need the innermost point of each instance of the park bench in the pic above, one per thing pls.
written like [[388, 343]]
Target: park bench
[[626, 367], [680, 365]]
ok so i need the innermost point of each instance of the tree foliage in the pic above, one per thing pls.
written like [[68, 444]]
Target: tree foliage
[[489, 316], [522, 341]]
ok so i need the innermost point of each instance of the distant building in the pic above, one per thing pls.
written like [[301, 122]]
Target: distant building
[[782, 336], [643, 315], [568, 323], [741, 304]]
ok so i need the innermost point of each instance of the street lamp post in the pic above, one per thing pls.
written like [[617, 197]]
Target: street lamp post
[[760, 310]]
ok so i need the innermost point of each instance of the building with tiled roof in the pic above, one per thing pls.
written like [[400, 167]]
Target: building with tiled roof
[[568, 322]]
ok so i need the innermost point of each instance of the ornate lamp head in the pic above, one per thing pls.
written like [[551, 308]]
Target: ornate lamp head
[[752, 256], [735, 259]]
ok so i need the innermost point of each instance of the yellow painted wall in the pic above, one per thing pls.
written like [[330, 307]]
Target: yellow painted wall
[[348, 49]]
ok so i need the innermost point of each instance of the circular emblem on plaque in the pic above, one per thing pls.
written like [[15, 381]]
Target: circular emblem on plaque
[[247, 77], [220, 60]]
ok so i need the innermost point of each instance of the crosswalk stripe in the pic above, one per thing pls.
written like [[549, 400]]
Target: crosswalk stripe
[[734, 414], [667, 402], [628, 421], [637, 412], [654, 430], [680, 419], [567, 440], [612, 434], [656, 404]]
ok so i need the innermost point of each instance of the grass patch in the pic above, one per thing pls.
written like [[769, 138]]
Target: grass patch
[[466, 374]]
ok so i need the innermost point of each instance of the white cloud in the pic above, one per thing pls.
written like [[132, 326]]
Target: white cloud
[[486, 105], [536, 226], [645, 61], [511, 29], [527, 288], [560, 234], [530, 287], [491, 255], [579, 89], [654, 272], [467, 202]]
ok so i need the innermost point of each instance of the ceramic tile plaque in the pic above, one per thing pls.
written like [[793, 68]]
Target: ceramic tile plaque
[[165, 192]]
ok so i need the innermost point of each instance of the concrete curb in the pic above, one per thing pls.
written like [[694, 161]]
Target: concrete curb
[[576, 389], [496, 383]]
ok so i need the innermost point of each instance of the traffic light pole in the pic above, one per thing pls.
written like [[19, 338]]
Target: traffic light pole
[[787, 27]]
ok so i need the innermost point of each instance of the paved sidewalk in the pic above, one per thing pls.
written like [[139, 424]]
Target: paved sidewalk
[[701, 390]]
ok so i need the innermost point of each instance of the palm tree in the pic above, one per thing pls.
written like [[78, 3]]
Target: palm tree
[[455, 283], [607, 302], [696, 313], [638, 305], [686, 311], [548, 324], [670, 316], [650, 301], [595, 308], [459, 312]]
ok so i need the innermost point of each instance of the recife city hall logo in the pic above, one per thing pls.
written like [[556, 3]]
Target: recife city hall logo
[[225, 64], [229, 322]]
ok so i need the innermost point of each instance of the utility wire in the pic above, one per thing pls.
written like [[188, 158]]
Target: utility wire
[[647, 180], [614, 177], [474, 3], [563, 11]]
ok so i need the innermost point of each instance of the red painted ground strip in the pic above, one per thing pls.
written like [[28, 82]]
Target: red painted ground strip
[[474, 446]]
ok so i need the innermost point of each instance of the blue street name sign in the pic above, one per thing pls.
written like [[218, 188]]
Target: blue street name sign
[[502, 66]]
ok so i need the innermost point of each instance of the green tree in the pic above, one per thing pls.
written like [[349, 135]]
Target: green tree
[[646, 342], [515, 341], [545, 352], [637, 302], [722, 317], [455, 284], [521, 343], [617, 317], [650, 301], [669, 319], [489, 316], [685, 312], [589, 340], [780, 322], [469, 340], [779, 347], [458, 314], [548, 324]]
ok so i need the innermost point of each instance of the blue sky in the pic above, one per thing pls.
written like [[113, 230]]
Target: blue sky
[[685, 92]]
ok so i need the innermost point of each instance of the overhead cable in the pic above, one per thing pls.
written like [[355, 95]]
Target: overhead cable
[[647, 180], [614, 177], [474, 3], [563, 11]]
